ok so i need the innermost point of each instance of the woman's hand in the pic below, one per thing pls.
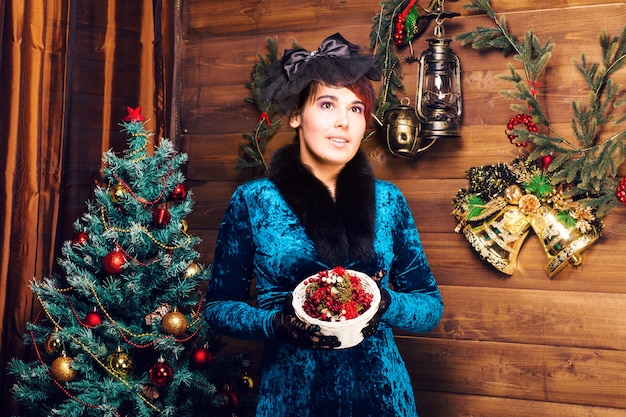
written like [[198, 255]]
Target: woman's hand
[[385, 300], [289, 328]]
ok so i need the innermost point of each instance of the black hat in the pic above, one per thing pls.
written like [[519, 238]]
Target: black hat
[[336, 62]]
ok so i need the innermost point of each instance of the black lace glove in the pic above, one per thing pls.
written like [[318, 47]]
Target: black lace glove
[[385, 300], [288, 327]]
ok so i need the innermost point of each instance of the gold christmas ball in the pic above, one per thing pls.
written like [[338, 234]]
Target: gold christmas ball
[[192, 270], [53, 344], [175, 323], [246, 383], [120, 363], [512, 194], [117, 193], [61, 369], [184, 225]]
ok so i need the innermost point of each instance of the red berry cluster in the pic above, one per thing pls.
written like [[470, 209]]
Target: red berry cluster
[[398, 34], [620, 191], [328, 299], [514, 121]]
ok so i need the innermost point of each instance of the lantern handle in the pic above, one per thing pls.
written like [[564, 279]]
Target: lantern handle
[[432, 142]]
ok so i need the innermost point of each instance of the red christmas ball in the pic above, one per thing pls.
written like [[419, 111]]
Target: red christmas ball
[[92, 319], [161, 373], [200, 358], [227, 400], [179, 193], [80, 238], [161, 217], [113, 262], [546, 161]]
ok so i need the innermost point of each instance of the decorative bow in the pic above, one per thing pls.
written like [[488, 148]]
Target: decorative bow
[[334, 46]]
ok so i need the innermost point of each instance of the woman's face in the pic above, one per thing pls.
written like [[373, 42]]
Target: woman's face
[[330, 127]]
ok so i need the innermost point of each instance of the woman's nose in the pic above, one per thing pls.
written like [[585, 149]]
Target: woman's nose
[[342, 119]]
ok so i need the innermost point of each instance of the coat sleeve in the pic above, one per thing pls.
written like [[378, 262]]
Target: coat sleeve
[[416, 303], [228, 311]]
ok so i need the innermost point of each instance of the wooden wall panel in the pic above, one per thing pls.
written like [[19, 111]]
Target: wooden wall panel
[[508, 346]]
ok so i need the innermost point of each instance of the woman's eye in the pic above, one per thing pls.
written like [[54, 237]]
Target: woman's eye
[[326, 105], [358, 109]]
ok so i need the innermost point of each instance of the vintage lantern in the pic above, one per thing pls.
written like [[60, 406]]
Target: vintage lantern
[[439, 84], [401, 128]]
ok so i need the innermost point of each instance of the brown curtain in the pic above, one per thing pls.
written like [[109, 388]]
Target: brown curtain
[[68, 69]]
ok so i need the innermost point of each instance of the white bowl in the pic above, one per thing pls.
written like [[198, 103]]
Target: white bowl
[[348, 331]]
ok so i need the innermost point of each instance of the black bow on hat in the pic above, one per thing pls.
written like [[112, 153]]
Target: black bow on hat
[[336, 62]]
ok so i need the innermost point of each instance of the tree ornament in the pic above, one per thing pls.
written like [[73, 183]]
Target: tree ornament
[[157, 315], [61, 369], [133, 115], [227, 399], [184, 225], [179, 192], [120, 363], [53, 344], [514, 121], [161, 217], [161, 373], [200, 358], [92, 319], [80, 238], [113, 262], [118, 193], [150, 391], [192, 270], [175, 323], [246, 383]]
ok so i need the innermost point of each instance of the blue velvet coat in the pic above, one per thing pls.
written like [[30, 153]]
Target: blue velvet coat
[[286, 227]]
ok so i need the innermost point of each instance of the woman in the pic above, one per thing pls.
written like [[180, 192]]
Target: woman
[[320, 207]]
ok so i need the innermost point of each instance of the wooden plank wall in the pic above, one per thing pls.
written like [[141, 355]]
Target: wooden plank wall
[[507, 346]]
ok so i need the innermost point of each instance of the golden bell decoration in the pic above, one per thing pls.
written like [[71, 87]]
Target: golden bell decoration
[[561, 243], [499, 238], [61, 369], [175, 323], [120, 363]]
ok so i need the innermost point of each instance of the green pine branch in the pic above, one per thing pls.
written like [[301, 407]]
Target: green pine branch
[[381, 40], [586, 164], [268, 122]]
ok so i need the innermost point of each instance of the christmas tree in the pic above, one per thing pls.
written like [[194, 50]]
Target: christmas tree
[[120, 331]]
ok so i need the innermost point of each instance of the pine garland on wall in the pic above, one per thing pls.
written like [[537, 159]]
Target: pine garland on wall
[[560, 187], [587, 162]]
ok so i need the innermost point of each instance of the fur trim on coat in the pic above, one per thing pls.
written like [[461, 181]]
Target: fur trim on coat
[[341, 229]]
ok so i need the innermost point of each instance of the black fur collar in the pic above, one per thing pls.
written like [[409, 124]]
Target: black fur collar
[[342, 229]]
